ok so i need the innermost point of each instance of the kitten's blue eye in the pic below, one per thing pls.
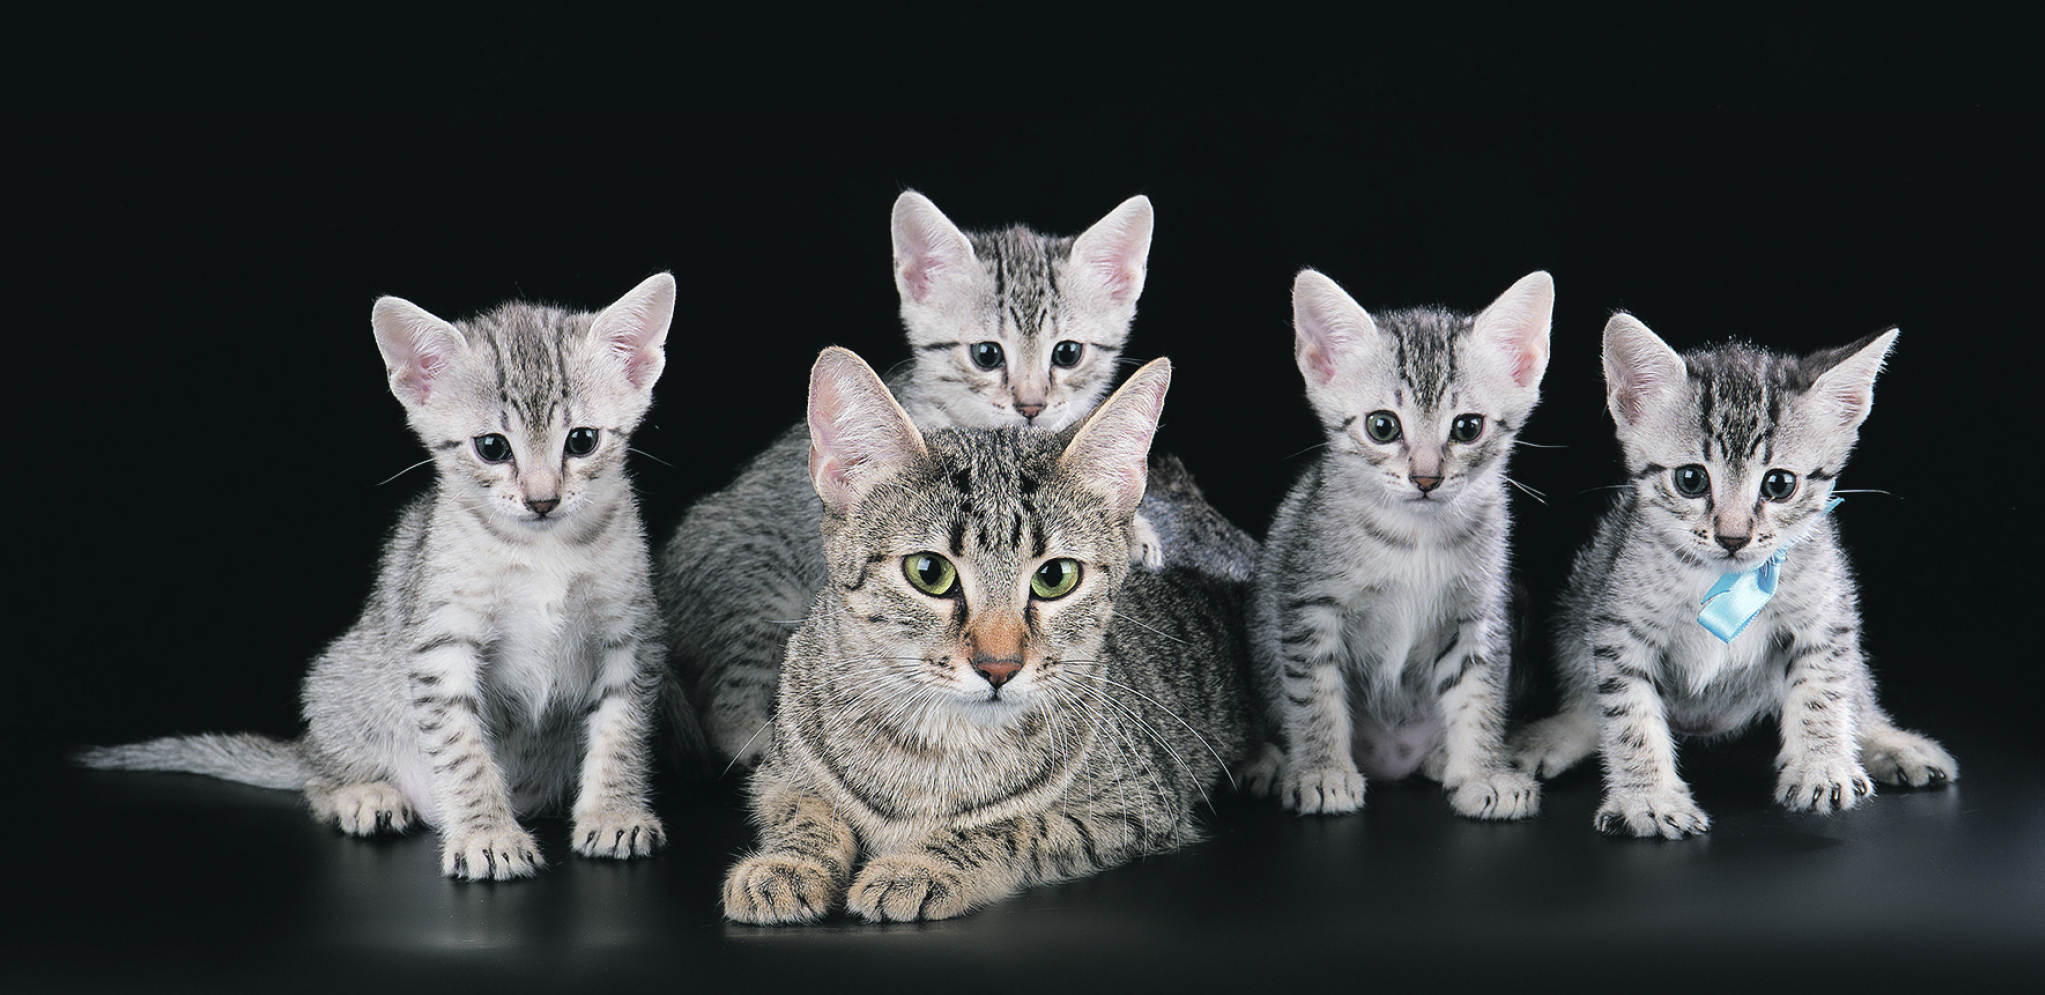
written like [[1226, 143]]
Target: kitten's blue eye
[[1691, 480], [1055, 579], [986, 355], [1466, 428], [1066, 354], [932, 574], [581, 441], [1778, 485], [1381, 426], [493, 448]]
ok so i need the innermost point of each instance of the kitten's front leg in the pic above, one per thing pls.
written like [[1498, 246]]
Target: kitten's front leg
[[805, 858], [1470, 682], [1820, 763], [1320, 773], [1643, 795], [480, 838], [954, 871], [612, 817]]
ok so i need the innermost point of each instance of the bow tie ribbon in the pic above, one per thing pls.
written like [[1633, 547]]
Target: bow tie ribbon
[[1740, 595]]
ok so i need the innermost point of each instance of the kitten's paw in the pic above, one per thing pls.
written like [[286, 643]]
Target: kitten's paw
[[1259, 775], [1894, 756], [907, 887], [1823, 786], [620, 835], [1148, 549], [745, 739], [1326, 791], [1553, 745], [362, 809], [1670, 815], [490, 854], [1504, 794], [779, 888]]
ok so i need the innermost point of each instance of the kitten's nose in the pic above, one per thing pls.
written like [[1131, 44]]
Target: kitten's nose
[[997, 670], [1733, 544], [1426, 483], [1030, 411], [541, 506]]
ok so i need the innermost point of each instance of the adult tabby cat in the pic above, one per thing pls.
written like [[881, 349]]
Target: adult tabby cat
[[1008, 328], [1379, 618], [1732, 453], [985, 695], [507, 655]]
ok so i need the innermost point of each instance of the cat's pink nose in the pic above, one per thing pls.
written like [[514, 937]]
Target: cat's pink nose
[[997, 671], [1734, 544], [1426, 483], [541, 506], [1030, 410]]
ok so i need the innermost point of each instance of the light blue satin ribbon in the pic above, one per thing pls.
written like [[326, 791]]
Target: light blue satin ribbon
[[1740, 595]]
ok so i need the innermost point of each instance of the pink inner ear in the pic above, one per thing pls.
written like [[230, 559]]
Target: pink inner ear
[[916, 278]]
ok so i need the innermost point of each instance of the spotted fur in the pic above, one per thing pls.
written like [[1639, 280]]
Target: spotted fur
[[1707, 437], [937, 749], [1379, 615], [507, 657]]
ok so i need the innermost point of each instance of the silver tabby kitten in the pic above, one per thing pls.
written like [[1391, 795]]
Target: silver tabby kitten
[[1008, 328], [985, 695], [1732, 452], [507, 656], [1379, 616]]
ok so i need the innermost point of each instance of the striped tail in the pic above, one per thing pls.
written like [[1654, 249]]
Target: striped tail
[[244, 757]]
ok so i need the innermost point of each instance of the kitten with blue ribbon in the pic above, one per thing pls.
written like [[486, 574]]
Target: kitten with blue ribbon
[[1715, 592]]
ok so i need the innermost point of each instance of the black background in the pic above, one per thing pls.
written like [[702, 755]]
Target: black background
[[210, 209]]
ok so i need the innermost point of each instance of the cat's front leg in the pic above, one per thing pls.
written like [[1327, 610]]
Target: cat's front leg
[[1476, 772], [1820, 758], [953, 871], [1313, 697], [480, 837], [805, 858], [612, 817], [1643, 795]]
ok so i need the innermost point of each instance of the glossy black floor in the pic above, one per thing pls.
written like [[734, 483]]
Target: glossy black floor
[[202, 424]]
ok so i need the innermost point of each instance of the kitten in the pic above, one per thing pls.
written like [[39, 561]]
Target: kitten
[[1008, 328], [1379, 616], [508, 653], [1732, 453], [986, 695]]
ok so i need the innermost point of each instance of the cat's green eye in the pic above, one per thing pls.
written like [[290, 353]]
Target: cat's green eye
[[581, 441], [1466, 428], [1381, 426], [1055, 579], [1778, 485], [493, 448], [1691, 480], [1065, 355], [932, 574], [986, 355]]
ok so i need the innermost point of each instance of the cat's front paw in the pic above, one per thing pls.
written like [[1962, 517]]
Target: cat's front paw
[[1899, 757], [779, 888], [1503, 794], [907, 887], [745, 739], [1670, 815], [1147, 548], [1822, 786], [620, 835], [362, 809], [495, 853], [1259, 776], [1324, 791], [1553, 745]]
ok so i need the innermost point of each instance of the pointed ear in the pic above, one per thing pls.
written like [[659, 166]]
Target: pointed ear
[[1515, 327], [1328, 325], [857, 433], [635, 329], [1640, 369], [1111, 451], [1112, 256], [417, 347], [1845, 392], [929, 249]]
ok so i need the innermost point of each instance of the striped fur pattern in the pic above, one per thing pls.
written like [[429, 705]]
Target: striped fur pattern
[[1379, 617], [948, 735], [1007, 328], [1732, 451], [507, 657]]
